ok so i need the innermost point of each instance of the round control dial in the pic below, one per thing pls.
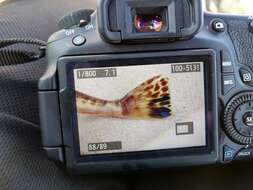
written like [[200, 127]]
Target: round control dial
[[238, 118]]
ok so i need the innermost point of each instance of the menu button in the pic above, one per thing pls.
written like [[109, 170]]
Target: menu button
[[226, 61], [227, 67]]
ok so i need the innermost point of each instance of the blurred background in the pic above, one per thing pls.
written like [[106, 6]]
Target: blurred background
[[230, 6], [218, 6]]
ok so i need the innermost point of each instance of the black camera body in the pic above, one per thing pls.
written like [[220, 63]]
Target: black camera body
[[148, 84]]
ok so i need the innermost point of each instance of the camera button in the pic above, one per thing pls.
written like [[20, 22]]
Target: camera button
[[83, 23], [78, 40], [248, 119], [246, 76], [228, 83], [227, 65], [245, 154], [218, 25], [228, 153]]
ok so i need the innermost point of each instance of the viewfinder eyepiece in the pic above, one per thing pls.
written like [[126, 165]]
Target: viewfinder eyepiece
[[149, 19], [148, 23], [145, 21]]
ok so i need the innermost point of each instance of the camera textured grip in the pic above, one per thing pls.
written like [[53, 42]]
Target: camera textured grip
[[242, 39]]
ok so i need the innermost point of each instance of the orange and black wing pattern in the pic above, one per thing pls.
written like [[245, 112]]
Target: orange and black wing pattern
[[150, 100]]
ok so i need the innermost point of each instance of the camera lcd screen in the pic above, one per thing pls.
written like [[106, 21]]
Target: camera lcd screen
[[140, 108]]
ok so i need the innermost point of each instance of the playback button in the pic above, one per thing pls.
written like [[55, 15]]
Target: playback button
[[228, 83], [228, 153]]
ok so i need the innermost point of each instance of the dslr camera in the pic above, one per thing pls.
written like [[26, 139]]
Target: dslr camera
[[143, 84]]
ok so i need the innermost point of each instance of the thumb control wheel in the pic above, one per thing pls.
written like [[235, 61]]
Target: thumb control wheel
[[238, 118]]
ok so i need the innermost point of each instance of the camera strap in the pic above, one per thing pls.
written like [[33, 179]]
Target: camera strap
[[15, 56]]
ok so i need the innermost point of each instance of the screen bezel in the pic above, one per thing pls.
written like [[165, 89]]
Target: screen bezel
[[69, 99]]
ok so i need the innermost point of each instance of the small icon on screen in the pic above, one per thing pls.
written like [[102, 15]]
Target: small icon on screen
[[184, 128]]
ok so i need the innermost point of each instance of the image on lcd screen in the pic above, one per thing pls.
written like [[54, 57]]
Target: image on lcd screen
[[140, 108]]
